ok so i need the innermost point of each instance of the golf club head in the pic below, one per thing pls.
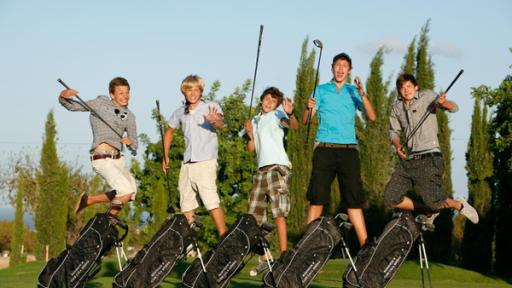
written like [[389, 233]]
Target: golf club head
[[318, 43]]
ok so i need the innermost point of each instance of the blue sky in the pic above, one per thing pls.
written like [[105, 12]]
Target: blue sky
[[155, 44]]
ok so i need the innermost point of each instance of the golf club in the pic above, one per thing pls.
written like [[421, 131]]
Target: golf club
[[430, 109], [255, 70], [93, 112], [318, 44], [170, 208]]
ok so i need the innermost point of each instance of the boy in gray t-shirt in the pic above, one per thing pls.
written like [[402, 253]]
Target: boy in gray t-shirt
[[422, 167], [106, 158]]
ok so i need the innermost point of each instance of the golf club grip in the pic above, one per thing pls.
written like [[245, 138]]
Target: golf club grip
[[453, 82], [261, 35], [63, 84]]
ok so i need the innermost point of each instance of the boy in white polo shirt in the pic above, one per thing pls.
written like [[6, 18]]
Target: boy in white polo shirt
[[271, 183], [199, 120]]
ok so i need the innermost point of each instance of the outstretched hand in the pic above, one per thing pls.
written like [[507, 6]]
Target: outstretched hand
[[68, 93], [359, 85], [213, 116], [288, 105]]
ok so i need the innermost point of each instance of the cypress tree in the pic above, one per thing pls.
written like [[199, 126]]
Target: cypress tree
[[501, 146], [299, 154], [16, 257], [477, 242], [410, 58], [374, 146], [52, 207]]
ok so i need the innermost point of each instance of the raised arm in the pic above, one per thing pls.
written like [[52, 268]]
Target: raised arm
[[367, 105], [65, 99]]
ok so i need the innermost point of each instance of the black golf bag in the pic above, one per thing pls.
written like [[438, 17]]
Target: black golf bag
[[226, 259], [299, 265], [78, 263], [157, 258], [378, 262]]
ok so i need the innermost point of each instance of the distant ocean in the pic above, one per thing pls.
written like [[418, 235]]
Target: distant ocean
[[7, 213]]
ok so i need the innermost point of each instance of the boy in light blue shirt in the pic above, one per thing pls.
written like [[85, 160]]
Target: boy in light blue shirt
[[271, 183]]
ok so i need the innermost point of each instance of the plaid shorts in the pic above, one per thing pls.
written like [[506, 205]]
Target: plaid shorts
[[270, 184], [424, 175]]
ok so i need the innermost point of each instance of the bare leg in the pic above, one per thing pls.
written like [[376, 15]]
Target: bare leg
[[314, 211], [218, 217], [123, 198], [282, 236], [454, 204], [410, 205], [100, 198], [189, 215], [356, 216]]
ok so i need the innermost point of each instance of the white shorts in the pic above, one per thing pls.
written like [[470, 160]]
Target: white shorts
[[198, 180], [117, 175]]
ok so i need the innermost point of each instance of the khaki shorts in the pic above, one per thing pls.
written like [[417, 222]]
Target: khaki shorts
[[198, 182], [117, 175]]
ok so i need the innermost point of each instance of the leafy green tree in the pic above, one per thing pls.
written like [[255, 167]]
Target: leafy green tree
[[501, 146], [52, 199], [477, 243], [300, 154]]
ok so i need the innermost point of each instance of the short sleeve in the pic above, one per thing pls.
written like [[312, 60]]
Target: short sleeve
[[174, 121]]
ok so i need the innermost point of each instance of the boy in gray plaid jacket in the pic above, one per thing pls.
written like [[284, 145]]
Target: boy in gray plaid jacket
[[271, 183]]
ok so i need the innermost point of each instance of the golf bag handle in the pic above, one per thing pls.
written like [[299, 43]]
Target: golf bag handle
[[88, 108], [430, 109]]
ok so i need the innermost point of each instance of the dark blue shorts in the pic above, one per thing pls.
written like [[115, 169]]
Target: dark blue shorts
[[343, 163]]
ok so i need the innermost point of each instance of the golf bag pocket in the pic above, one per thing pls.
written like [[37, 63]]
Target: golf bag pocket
[[226, 259], [75, 265], [299, 265], [378, 262], [157, 258]]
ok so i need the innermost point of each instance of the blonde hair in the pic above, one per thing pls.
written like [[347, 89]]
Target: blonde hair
[[192, 81]]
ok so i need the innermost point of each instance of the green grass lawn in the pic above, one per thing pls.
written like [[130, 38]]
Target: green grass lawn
[[409, 276]]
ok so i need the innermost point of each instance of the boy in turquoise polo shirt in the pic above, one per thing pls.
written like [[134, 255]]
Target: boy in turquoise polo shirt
[[335, 152]]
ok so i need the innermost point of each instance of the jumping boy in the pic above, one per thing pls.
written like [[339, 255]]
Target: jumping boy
[[271, 183], [422, 167], [335, 152], [199, 120], [106, 148]]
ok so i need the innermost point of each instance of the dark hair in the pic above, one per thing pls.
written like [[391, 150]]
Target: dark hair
[[404, 77], [118, 81], [342, 56], [274, 93]]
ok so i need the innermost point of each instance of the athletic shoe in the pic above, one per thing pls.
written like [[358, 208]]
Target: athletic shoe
[[468, 211], [116, 203], [261, 267], [82, 203]]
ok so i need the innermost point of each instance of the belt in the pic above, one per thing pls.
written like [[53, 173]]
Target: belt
[[335, 145], [424, 155], [104, 156]]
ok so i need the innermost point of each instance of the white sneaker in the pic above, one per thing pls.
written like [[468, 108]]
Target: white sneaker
[[468, 211], [261, 267]]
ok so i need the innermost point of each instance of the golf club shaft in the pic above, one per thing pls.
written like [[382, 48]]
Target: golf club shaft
[[314, 93], [170, 208], [425, 115], [86, 106], [255, 70]]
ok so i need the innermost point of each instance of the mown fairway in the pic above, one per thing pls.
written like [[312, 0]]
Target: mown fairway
[[409, 276]]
